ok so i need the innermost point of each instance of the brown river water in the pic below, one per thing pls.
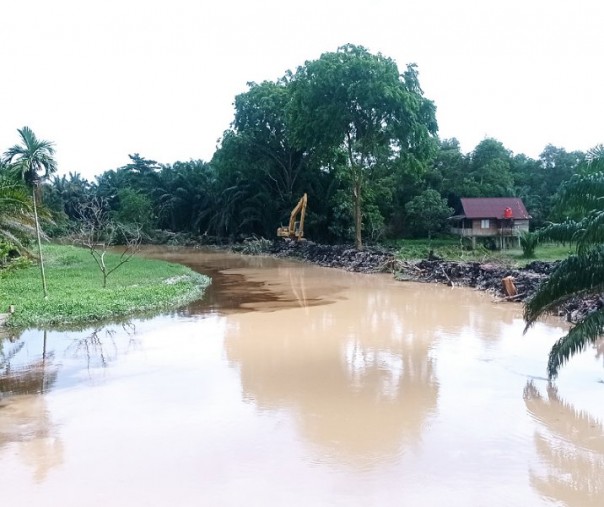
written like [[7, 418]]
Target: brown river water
[[295, 385]]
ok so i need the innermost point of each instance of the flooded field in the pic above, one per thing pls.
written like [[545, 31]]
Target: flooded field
[[292, 385]]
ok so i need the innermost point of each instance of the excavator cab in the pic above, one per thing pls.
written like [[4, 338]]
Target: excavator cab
[[295, 229]]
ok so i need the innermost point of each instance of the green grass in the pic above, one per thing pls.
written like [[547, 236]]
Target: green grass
[[76, 295], [451, 249]]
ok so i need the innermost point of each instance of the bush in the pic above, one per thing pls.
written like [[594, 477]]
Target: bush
[[529, 242]]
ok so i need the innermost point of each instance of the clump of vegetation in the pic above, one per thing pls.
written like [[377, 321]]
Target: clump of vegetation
[[77, 297], [256, 246], [442, 248], [528, 243]]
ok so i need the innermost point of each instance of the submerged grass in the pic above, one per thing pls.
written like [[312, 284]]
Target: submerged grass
[[76, 294]]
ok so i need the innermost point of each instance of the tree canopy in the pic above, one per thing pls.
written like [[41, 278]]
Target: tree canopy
[[350, 128], [362, 115]]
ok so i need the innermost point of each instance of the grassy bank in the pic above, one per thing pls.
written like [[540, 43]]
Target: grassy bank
[[76, 295], [451, 249]]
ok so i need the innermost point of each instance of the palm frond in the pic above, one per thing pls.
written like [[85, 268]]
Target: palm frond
[[566, 232], [33, 159], [592, 232], [582, 193], [577, 275], [589, 330], [595, 157]]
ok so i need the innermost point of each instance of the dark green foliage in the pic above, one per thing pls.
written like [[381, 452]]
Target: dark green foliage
[[65, 196], [17, 221], [350, 130], [580, 275], [135, 208], [362, 115], [428, 213]]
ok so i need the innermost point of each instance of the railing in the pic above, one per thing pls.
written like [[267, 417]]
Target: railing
[[506, 231]]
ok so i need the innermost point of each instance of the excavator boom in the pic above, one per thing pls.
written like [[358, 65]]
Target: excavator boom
[[295, 230]]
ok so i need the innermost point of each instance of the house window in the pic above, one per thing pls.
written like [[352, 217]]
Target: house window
[[485, 224]]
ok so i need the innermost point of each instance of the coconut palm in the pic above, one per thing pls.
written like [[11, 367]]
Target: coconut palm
[[582, 274], [34, 160]]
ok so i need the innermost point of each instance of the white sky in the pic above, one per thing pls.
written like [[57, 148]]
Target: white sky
[[105, 78]]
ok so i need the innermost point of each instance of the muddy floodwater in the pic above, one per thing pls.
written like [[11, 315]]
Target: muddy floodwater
[[295, 385]]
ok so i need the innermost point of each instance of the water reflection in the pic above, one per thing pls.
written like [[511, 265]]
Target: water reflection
[[570, 443], [98, 347], [29, 370], [36, 375], [340, 388], [25, 422], [359, 375]]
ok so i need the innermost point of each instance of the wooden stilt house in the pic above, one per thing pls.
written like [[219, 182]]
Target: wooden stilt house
[[500, 218]]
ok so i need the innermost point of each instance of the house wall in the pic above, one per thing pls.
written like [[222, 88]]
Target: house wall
[[473, 228]]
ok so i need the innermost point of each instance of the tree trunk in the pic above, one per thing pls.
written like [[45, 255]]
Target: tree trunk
[[39, 243], [358, 216]]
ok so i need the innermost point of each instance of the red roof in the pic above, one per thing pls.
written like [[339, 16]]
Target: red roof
[[493, 207]]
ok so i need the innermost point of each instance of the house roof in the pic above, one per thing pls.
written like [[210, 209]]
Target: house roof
[[493, 207]]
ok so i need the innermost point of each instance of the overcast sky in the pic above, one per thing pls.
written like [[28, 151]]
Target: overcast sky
[[106, 78]]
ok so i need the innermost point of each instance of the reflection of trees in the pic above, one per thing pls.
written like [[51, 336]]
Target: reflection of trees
[[25, 422], [36, 376], [572, 446], [24, 419], [98, 347], [358, 374]]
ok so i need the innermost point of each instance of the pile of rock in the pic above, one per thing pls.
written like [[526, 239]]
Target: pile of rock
[[368, 260], [487, 277]]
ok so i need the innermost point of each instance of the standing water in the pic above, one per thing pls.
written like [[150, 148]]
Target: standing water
[[291, 384]]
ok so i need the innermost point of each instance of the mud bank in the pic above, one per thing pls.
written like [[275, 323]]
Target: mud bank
[[481, 276]]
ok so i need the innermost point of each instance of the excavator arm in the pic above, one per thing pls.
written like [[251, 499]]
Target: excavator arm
[[295, 230]]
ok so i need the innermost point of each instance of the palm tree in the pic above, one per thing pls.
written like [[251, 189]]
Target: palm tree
[[34, 160], [582, 274], [16, 214]]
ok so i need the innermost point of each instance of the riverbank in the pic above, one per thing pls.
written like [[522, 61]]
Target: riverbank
[[76, 295], [485, 276]]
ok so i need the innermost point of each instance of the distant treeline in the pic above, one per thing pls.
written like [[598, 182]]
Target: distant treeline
[[350, 130]]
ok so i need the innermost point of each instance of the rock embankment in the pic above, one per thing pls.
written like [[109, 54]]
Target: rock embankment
[[481, 276], [369, 260]]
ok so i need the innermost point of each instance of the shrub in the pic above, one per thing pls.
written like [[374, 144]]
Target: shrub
[[529, 242]]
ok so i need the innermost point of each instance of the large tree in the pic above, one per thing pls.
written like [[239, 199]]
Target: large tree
[[34, 160], [261, 123], [428, 213], [358, 104], [582, 274]]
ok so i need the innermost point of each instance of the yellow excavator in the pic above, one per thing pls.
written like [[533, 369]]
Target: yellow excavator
[[295, 230]]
